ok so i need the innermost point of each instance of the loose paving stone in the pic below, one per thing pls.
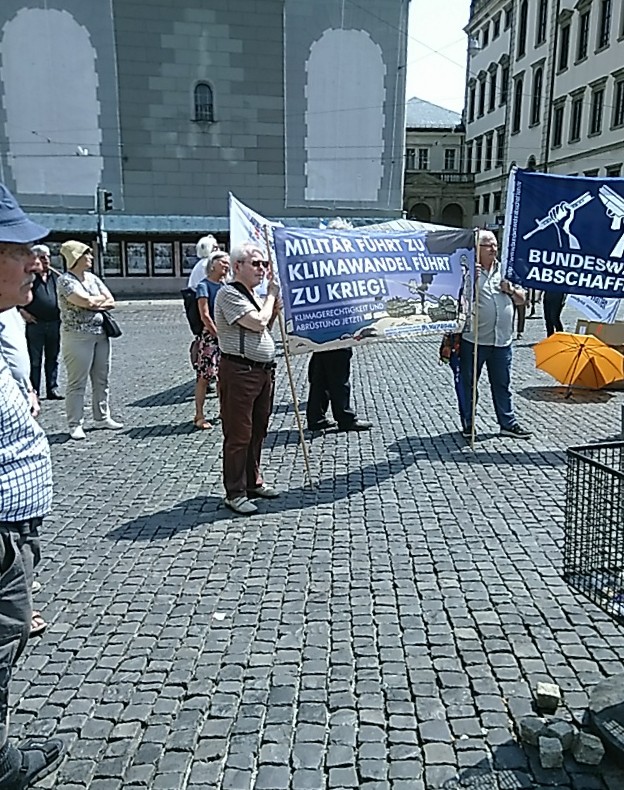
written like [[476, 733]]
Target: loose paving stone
[[383, 630]]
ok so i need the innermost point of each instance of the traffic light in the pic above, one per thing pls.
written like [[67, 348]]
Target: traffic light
[[106, 200]]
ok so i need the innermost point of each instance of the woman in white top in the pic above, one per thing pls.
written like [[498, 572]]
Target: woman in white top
[[86, 348]]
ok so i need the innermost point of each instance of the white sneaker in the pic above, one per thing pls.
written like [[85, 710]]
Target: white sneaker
[[108, 423], [241, 504], [264, 491], [78, 433]]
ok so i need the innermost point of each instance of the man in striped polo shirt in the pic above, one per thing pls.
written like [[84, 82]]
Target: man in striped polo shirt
[[246, 376], [25, 498]]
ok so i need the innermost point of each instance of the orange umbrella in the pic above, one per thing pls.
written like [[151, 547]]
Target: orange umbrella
[[579, 360]]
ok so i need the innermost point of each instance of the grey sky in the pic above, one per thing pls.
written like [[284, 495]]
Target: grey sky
[[437, 76]]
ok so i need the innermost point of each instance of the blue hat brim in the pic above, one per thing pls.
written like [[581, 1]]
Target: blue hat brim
[[25, 231]]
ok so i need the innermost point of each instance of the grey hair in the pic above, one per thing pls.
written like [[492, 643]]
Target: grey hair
[[213, 257], [205, 246], [340, 224], [41, 249], [242, 252]]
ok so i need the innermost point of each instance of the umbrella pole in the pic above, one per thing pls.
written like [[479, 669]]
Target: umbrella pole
[[475, 351], [574, 366]]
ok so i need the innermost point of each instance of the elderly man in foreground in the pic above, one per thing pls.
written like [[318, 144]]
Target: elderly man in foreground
[[496, 297], [246, 376], [25, 499]]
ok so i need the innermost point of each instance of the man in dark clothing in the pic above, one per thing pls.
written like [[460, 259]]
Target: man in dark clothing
[[43, 325], [553, 306], [328, 374]]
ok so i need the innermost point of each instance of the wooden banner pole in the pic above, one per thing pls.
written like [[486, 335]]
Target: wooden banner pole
[[475, 353], [280, 319]]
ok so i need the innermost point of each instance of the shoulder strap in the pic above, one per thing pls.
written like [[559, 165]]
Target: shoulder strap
[[241, 329], [242, 290]]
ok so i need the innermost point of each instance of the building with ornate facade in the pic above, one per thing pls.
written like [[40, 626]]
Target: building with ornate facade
[[544, 90], [168, 106], [437, 189]]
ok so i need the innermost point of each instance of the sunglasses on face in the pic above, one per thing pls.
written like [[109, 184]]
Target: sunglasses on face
[[260, 264]]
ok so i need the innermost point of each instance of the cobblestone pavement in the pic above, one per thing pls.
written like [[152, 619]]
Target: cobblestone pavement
[[383, 631]]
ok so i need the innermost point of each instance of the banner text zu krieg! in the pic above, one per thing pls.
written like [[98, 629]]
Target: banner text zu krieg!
[[343, 287]]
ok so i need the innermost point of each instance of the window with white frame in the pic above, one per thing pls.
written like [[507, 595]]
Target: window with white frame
[[536, 96], [516, 119], [604, 24], [597, 104], [423, 159], [583, 35], [576, 117], [542, 22], [450, 158], [618, 103], [564, 47], [522, 28]]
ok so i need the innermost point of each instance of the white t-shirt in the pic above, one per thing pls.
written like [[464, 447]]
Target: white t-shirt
[[14, 347], [197, 274]]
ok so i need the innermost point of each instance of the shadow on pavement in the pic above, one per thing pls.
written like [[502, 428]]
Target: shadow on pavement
[[179, 429], [182, 517], [451, 447], [177, 394], [558, 395], [406, 452], [514, 767]]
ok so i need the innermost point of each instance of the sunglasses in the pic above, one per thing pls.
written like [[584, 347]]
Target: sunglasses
[[259, 264]]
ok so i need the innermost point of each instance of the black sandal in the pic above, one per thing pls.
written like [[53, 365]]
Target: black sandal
[[39, 758]]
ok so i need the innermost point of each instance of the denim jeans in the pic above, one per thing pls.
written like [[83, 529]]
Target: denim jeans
[[497, 359], [20, 552]]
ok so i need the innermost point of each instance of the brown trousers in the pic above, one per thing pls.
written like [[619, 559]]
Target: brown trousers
[[246, 396]]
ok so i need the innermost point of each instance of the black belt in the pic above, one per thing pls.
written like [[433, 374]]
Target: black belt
[[249, 362]]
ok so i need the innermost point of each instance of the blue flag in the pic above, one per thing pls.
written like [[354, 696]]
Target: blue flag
[[342, 287], [565, 233]]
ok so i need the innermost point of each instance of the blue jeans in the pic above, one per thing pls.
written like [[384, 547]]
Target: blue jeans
[[497, 359]]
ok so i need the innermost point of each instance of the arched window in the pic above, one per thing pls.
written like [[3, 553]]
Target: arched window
[[204, 102], [536, 99]]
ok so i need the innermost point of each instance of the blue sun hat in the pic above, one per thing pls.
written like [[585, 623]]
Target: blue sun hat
[[15, 227]]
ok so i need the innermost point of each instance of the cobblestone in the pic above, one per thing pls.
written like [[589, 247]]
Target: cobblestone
[[381, 631]]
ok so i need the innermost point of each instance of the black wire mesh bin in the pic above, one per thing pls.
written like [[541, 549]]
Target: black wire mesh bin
[[593, 554]]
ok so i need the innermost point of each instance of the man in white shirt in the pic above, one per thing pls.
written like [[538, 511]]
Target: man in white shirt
[[496, 297]]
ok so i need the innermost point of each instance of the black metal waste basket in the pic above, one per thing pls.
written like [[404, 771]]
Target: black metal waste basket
[[593, 554]]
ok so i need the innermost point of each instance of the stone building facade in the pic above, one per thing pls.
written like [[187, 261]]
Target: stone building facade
[[437, 189], [170, 106], [545, 90]]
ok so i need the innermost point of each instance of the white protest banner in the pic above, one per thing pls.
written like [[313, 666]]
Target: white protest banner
[[596, 308], [247, 226]]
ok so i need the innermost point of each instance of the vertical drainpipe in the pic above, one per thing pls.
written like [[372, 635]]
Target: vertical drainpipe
[[551, 89]]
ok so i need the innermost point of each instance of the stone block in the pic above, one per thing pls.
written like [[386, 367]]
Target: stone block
[[550, 752], [547, 697], [531, 729], [588, 749], [564, 731]]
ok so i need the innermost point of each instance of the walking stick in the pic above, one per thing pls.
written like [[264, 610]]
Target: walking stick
[[280, 319], [475, 351]]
